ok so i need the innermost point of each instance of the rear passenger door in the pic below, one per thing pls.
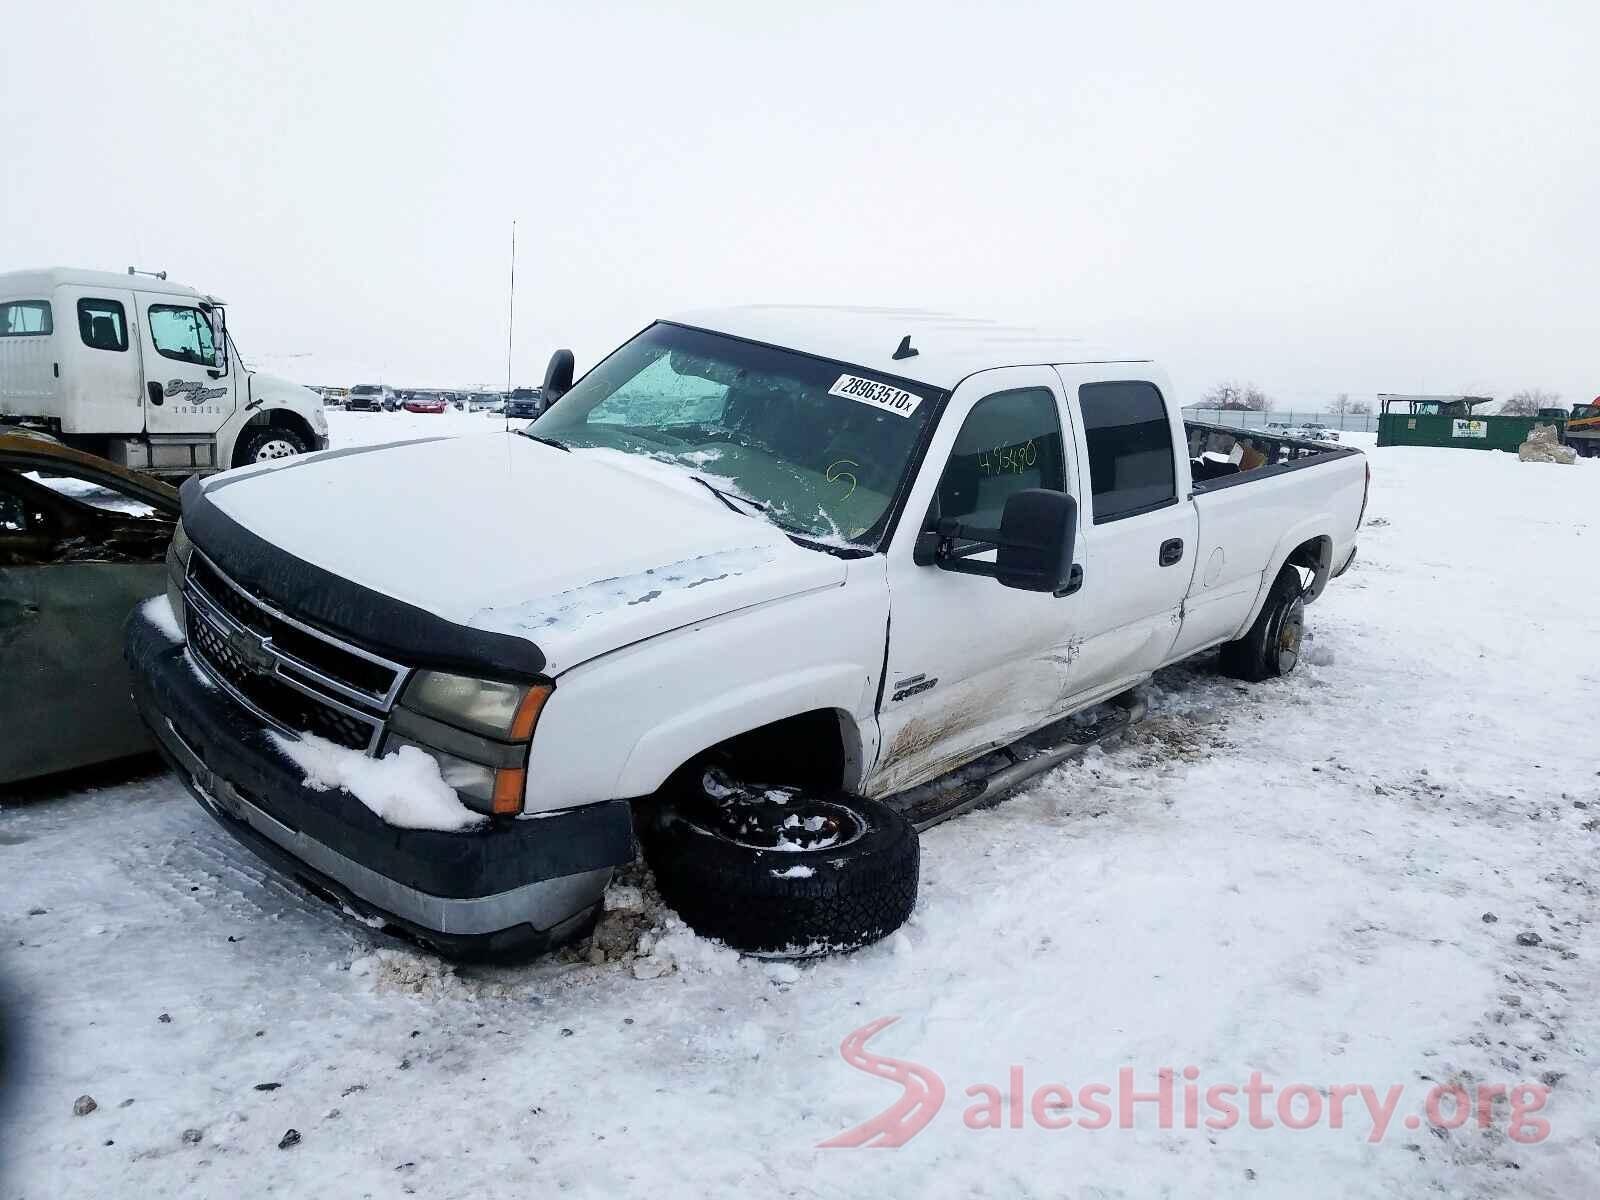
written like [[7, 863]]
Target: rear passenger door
[[1139, 531]]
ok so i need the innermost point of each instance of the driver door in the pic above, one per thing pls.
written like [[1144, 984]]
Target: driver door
[[972, 664], [189, 382]]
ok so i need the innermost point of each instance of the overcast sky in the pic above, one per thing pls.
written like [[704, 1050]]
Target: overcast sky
[[1379, 197]]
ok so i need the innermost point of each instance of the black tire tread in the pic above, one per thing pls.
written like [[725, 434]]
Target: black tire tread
[[1247, 658], [857, 895]]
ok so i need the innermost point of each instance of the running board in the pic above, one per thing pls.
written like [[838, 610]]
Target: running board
[[987, 779]]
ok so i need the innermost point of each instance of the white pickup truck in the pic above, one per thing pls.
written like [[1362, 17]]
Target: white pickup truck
[[768, 588], [141, 370]]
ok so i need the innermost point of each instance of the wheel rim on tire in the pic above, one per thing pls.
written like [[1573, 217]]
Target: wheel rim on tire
[[800, 824], [1291, 632], [275, 448]]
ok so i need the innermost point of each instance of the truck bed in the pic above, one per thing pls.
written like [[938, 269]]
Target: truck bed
[[1221, 456]]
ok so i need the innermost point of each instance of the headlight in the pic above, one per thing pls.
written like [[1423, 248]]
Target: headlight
[[486, 724], [486, 706], [182, 547], [178, 552], [473, 782]]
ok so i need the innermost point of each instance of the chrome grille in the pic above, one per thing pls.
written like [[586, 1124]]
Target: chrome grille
[[291, 675]]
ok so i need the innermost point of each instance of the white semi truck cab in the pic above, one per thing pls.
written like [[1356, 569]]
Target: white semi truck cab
[[142, 371]]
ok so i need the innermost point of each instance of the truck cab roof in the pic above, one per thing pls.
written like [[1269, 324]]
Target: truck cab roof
[[40, 281], [948, 347]]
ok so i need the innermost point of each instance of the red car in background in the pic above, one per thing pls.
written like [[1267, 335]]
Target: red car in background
[[419, 404]]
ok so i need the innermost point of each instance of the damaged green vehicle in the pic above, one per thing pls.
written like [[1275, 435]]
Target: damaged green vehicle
[[82, 543]]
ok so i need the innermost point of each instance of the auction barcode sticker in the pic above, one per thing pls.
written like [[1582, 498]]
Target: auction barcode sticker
[[880, 395]]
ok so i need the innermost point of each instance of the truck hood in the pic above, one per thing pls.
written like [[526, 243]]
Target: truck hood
[[272, 391], [577, 553]]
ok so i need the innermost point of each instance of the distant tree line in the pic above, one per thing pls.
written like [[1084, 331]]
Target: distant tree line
[[1529, 401]]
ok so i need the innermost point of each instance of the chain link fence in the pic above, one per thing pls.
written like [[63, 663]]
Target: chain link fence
[[1241, 419]]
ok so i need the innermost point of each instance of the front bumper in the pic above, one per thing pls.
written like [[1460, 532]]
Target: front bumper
[[517, 887]]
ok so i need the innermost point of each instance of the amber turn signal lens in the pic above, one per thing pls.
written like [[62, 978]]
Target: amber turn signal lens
[[528, 711], [508, 788]]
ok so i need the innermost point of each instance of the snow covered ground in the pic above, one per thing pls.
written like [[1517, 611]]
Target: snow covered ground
[[1380, 871]]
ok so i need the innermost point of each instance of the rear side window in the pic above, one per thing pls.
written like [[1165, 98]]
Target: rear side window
[[1010, 441], [1130, 448], [103, 324], [24, 318]]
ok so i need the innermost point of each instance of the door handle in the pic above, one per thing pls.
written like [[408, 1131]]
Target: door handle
[[1171, 551], [157, 396], [1074, 581]]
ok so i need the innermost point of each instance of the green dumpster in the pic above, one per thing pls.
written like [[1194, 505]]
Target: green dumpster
[[1449, 421]]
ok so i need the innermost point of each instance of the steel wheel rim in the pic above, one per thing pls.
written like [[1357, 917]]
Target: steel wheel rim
[[839, 826], [276, 448], [1291, 632]]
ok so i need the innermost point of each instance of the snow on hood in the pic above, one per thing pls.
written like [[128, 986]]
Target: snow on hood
[[263, 384], [577, 552]]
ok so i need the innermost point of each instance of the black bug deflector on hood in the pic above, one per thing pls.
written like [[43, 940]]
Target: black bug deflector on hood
[[370, 619]]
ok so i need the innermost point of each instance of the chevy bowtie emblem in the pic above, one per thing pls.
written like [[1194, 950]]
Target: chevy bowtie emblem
[[252, 651]]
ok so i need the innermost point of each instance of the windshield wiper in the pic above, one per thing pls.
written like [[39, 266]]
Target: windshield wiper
[[728, 498], [547, 441]]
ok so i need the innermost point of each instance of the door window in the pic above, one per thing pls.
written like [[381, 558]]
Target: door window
[[1130, 448], [1010, 441], [95, 493], [103, 324], [22, 318], [183, 334]]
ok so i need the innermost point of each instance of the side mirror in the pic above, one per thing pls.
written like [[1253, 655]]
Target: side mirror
[[1033, 546], [558, 376], [219, 342]]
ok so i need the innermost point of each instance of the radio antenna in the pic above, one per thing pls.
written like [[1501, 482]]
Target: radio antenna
[[511, 321]]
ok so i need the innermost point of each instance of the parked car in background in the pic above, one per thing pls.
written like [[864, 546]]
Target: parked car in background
[[424, 404], [1278, 428], [369, 397], [82, 541], [525, 403]]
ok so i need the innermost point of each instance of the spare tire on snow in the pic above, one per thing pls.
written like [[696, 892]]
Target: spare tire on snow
[[778, 872]]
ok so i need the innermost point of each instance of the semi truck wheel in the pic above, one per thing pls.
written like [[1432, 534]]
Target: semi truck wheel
[[270, 442], [776, 872], [1272, 647]]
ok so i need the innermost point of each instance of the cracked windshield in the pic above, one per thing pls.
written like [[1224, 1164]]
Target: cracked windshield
[[816, 447]]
